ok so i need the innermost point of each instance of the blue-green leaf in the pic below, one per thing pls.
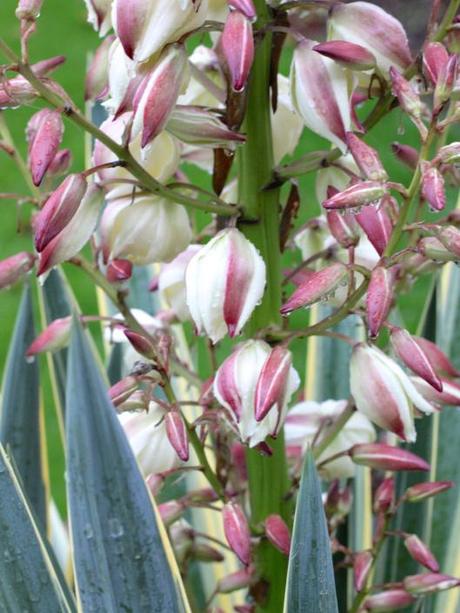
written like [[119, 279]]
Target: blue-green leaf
[[20, 408], [122, 558], [310, 582]]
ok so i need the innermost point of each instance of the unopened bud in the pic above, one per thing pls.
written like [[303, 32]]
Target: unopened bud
[[244, 6], [205, 553], [237, 531], [406, 154], [450, 238], [347, 54], [408, 98], [44, 135], [449, 154], [177, 434], [379, 298], [441, 363], [14, 268], [29, 9], [235, 581], [16, 92], [367, 158], [56, 336], [119, 271], [413, 356], [432, 189], [170, 511], [97, 81], [343, 228], [356, 196], [435, 57], [445, 83], [428, 583], [237, 44], [140, 343], [422, 491], [377, 226], [433, 249], [272, 381], [450, 391], [44, 67], [122, 390], [391, 600], [384, 495], [385, 457], [61, 163], [420, 552], [362, 564], [199, 126], [277, 533]]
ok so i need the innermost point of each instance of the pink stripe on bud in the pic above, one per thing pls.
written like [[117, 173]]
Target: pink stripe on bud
[[122, 390], [356, 196], [177, 434], [140, 343], [244, 6], [450, 391], [237, 45], [435, 57], [235, 581], [406, 154], [29, 9], [61, 163], [362, 564], [377, 226], [367, 158], [428, 583], [439, 360], [170, 511], [343, 228], [44, 67], [379, 298], [59, 209], [44, 135], [319, 285], [236, 530], [390, 600], [384, 457], [422, 491], [350, 55], [411, 353], [119, 271], [277, 533], [420, 552], [56, 336], [226, 385], [384, 495], [272, 382], [432, 189], [15, 267]]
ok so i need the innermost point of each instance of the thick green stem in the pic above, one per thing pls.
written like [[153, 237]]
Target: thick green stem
[[268, 479]]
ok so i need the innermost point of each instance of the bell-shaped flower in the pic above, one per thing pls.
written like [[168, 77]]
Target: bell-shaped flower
[[74, 236], [146, 432], [144, 27], [287, 124], [144, 230], [384, 393], [374, 29], [44, 136], [160, 159], [122, 79], [236, 387], [100, 15], [319, 93], [306, 419], [225, 281], [171, 282]]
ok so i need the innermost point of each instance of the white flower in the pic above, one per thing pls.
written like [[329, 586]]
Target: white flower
[[172, 282], [287, 125]]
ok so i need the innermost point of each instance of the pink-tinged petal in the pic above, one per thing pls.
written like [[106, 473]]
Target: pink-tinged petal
[[122, 390], [16, 92], [420, 552], [377, 226], [119, 271], [450, 391], [411, 353], [406, 154], [350, 55], [171, 511], [44, 134], [445, 84], [379, 298], [236, 531], [61, 163], [433, 187], [44, 67], [356, 196], [385, 457], [29, 9], [244, 6], [384, 496], [59, 209], [272, 381], [226, 387], [239, 273], [277, 533], [319, 285], [367, 158], [435, 57], [96, 82], [235, 581], [422, 491], [362, 564], [56, 336], [343, 228], [428, 583], [439, 360], [390, 600], [177, 434], [15, 267], [130, 17], [237, 46]]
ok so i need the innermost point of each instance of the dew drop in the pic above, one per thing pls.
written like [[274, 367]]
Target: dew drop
[[8, 555], [88, 531], [30, 359], [115, 528]]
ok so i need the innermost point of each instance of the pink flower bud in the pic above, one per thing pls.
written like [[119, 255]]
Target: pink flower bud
[[439, 360], [449, 154], [205, 553], [16, 92], [235, 581], [362, 564], [348, 54], [356, 196], [390, 600], [379, 298], [61, 163], [343, 228], [367, 158], [15, 267], [319, 285], [122, 390], [377, 226], [54, 337], [177, 434], [75, 234], [319, 93], [422, 491], [433, 187], [96, 82], [196, 125], [406, 154], [420, 552], [118, 271], [435, 57], [44, 67], [29, 9], [244, 6], [273, 378], [408, 99], [44, 135], [59, 209], [445, 83], [237, 45], [450, 391], [157, 93], [384, 457], [170, 511], [428, 583], [140, 343], [277, 533], [384, 495], [236, 531], [411, 353]]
